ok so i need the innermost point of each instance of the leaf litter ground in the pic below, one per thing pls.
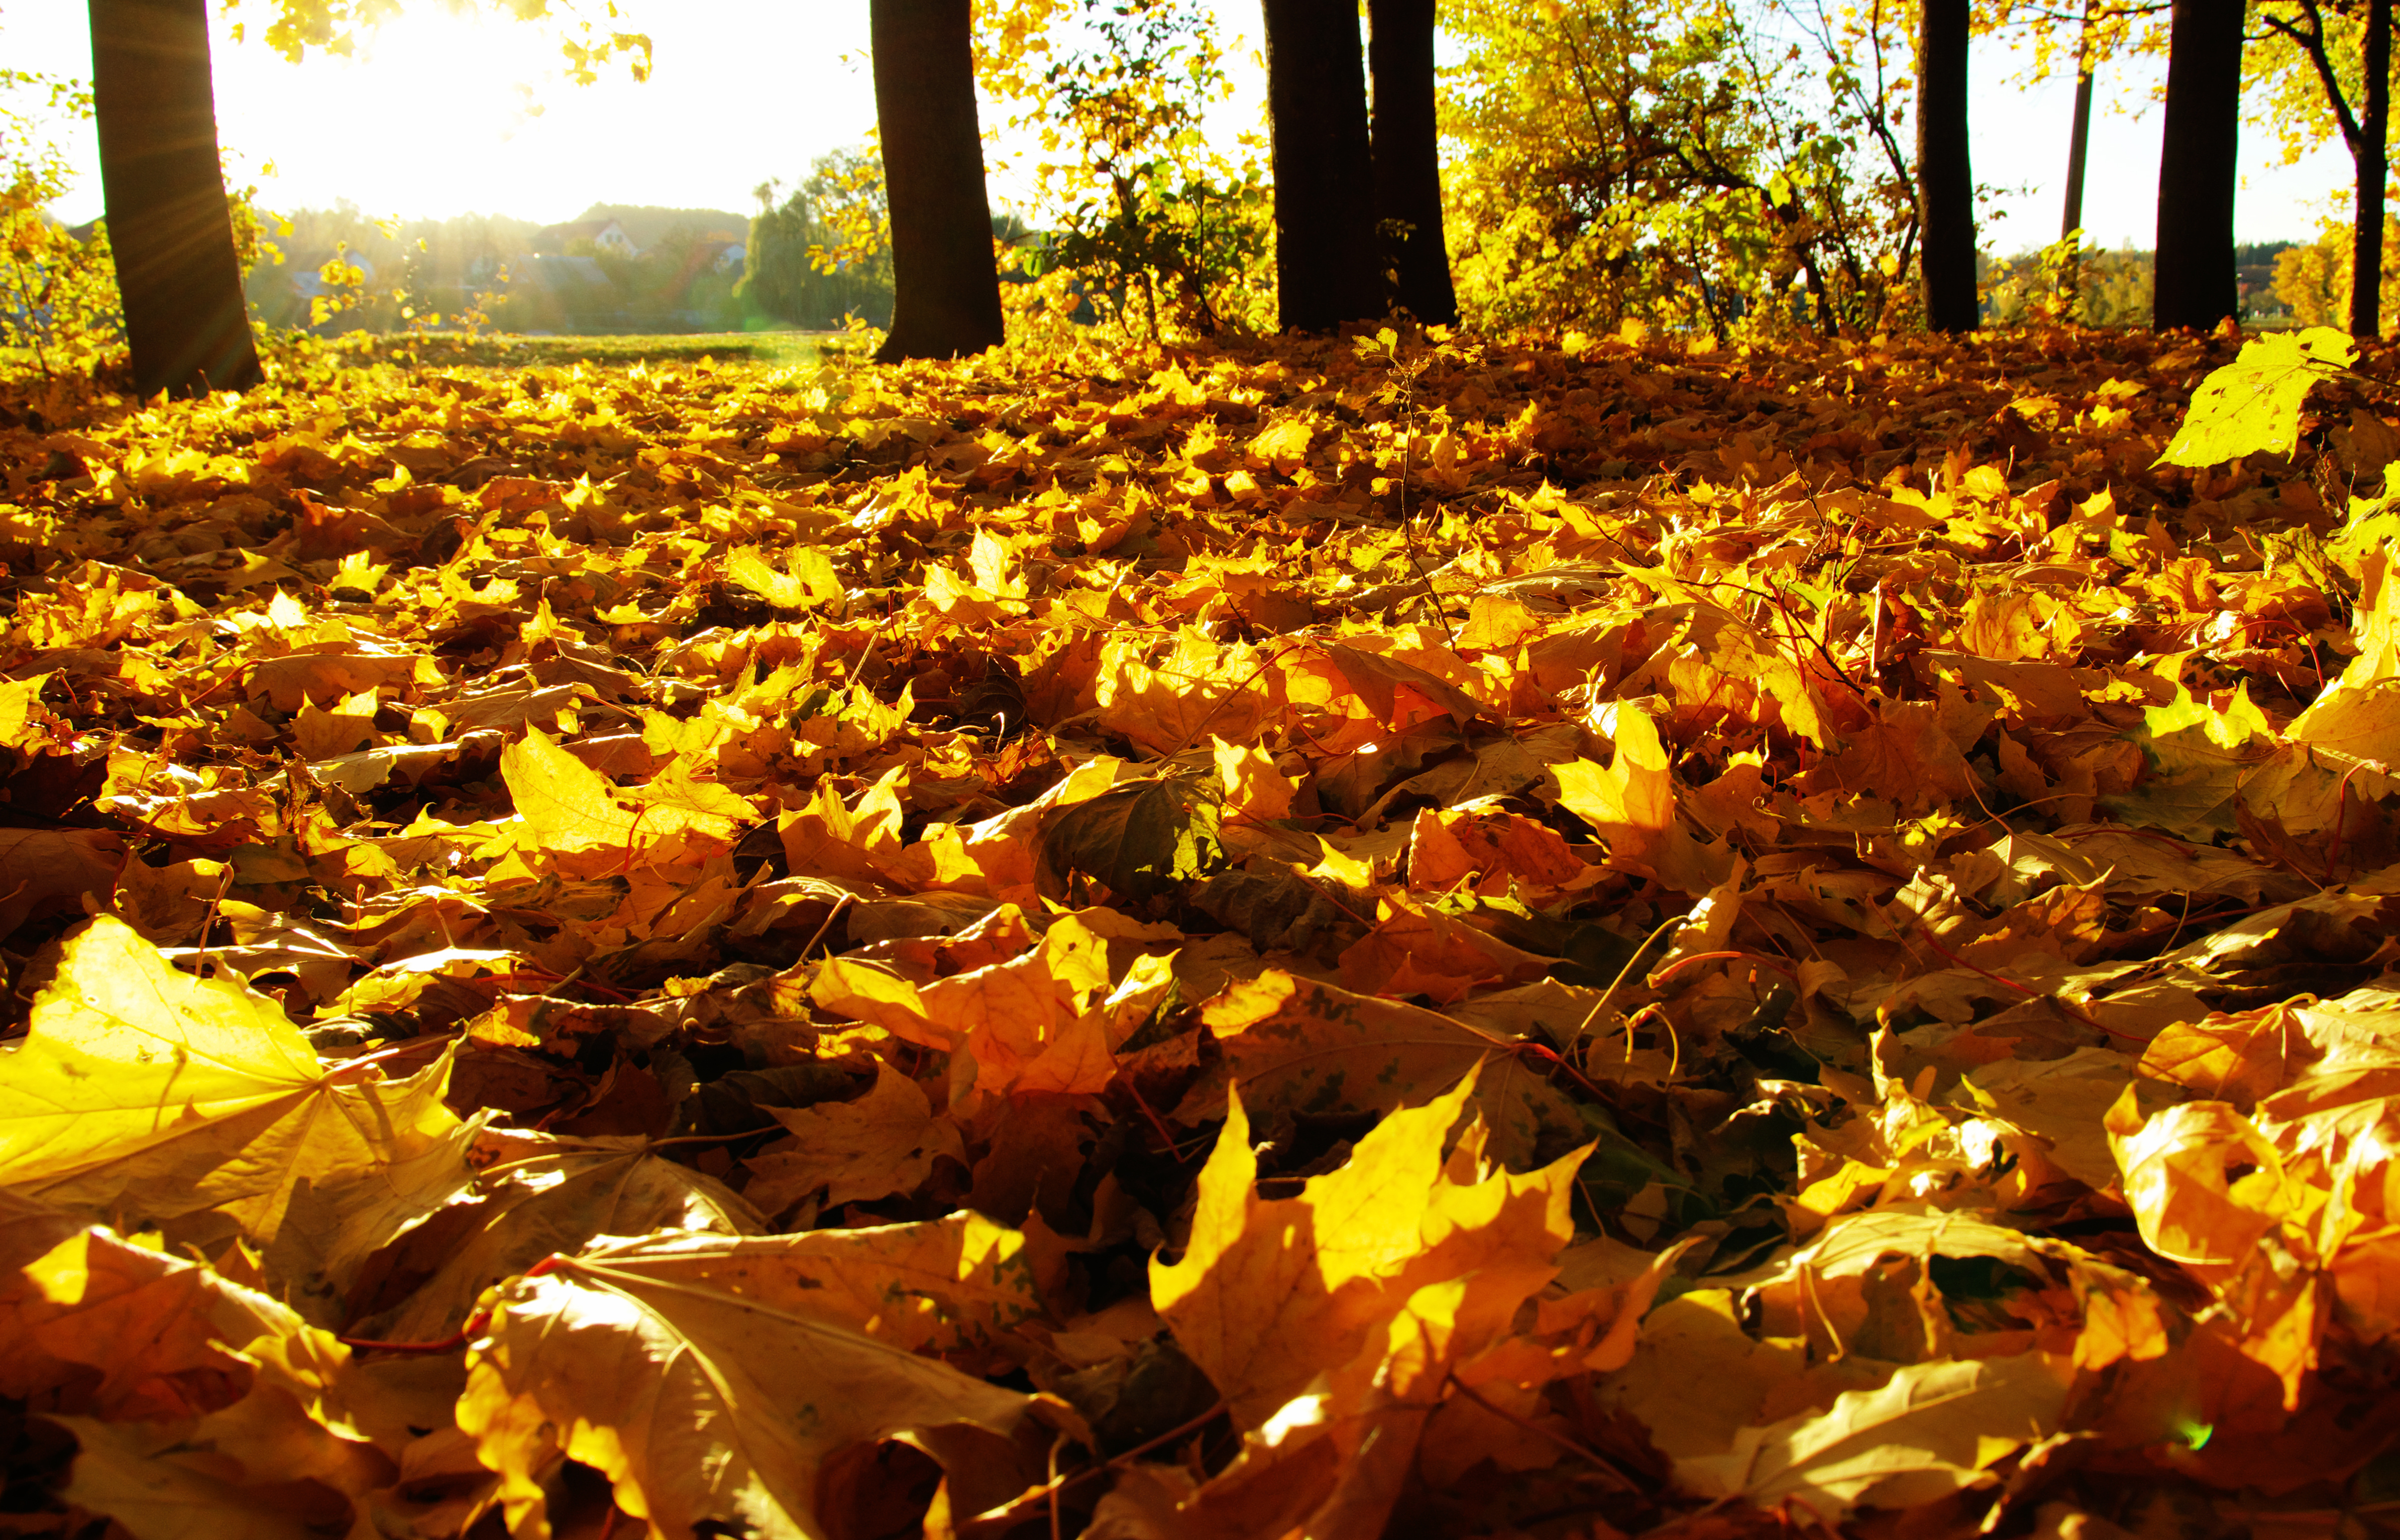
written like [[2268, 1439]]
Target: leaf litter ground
[[1489, 941]]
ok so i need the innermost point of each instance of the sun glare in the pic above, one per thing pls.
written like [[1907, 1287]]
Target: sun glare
[[441, 114]]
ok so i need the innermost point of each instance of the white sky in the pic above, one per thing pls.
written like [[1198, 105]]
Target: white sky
[[430, 120]]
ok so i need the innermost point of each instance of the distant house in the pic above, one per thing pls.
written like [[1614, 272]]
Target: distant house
[[729, 257], [606, 235]]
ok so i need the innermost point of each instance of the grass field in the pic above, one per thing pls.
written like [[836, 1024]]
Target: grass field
[[764, 349], [771, 349]]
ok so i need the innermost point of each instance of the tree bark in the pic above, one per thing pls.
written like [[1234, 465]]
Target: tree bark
[[1408, 159], [2199, 166], [168, 226], [1946, 176], [946, 284], [2366, 250], [1325, 269]]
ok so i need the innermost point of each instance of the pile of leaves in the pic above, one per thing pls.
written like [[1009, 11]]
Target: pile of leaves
[[1420, 936]]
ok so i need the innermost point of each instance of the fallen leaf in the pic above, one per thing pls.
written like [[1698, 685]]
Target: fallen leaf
[[1931, 1430], [700, 1404]]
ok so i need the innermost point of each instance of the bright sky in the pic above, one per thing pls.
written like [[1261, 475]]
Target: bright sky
[[431, 121]]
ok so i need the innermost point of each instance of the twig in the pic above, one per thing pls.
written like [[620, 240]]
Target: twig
[[831, 915], [1602, 1004], [1210, 715], [1406, 374], [1166, 1136], [1050, 1489], [1598, 1462], [208, 921], [2030, 993], [451, 1343]]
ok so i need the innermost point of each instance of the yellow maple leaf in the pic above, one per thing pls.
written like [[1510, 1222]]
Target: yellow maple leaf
[[1272, 1292], [1930, 1431], [1632, 804], [571, 809], [146, 1094]]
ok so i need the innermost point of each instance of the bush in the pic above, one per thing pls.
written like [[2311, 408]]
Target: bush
[[57, 289]]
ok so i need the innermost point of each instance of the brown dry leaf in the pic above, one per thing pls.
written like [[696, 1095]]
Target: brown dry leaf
[[173, 1483], [1030, 1024], [1292, 1045], [556, 1196], [2063, 1101], [2236, 1058], [1415, 950], [570, 809], [49, 871], [886, 1141], [202, 1408], [2177, 1174], [1632, 804]]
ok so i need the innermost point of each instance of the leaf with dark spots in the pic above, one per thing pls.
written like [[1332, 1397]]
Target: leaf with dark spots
[[1142, 839]]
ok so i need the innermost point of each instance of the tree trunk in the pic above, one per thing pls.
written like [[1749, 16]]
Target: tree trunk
[[2374, 119], [1326, 270], [946, 285], [1945, 177], [2199, 166], [1408, 159], [168, 226], [2078, 137]]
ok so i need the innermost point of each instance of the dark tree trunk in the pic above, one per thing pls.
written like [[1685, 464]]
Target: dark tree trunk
[[2079, 136], [2199, 166], [1407, 158], [1945, 177], [168, 225], [946, 286], [1326, 270], [2366, 250]]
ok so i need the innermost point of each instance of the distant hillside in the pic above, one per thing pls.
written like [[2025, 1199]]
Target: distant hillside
[[2118, 286], [680, 277], [2254, 268], [644, 224]]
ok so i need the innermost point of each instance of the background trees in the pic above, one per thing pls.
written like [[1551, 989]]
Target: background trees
[[1150, 223], [179, 272], [1706, 164], [58, 287], [1610, 163], [820, 256], [2327, 67]]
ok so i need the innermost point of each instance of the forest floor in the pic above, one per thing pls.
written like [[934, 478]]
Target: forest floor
[[1480, 939]]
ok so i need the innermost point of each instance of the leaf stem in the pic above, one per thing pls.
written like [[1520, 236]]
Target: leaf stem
[[1598, 1462]]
